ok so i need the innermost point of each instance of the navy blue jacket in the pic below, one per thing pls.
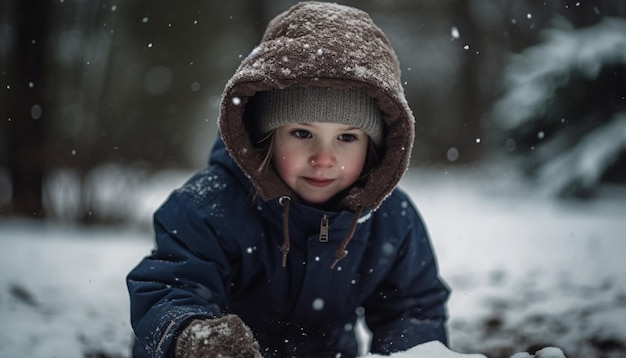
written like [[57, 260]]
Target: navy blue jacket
[[217, 252]]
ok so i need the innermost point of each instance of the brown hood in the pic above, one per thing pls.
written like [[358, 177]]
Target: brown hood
[[322, 44]]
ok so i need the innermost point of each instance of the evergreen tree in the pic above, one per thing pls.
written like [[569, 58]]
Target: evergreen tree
[[563, 113]]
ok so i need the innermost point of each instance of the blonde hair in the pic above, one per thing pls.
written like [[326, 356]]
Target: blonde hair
[[266, 149]]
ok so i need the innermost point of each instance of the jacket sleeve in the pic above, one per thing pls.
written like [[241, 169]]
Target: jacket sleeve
[[183, 278], [408, 308]]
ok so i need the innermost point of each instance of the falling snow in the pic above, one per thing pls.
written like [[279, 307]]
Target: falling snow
[[486, 235]]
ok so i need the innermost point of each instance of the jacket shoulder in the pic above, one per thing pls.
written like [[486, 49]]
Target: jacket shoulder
[[398, 198], [209, 184], [398, 211]]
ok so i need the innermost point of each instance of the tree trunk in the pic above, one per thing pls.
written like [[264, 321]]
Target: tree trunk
[[27, 107]]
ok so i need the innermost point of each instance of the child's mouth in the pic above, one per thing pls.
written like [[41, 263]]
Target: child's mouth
[[318, 182]]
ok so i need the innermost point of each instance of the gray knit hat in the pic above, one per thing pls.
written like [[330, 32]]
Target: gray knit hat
[[352, 107]]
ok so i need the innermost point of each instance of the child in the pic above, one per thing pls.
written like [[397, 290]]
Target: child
[[296, 227]]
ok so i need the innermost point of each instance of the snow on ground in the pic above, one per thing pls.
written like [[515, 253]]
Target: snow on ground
[[62, 290], [526, 273]]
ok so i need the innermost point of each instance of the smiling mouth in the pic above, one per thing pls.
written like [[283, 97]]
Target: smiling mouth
[[320, 183]]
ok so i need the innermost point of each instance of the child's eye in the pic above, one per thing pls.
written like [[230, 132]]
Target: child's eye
[[346, 137], [301, 133]]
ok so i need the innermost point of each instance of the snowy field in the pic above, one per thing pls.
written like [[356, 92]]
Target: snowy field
[[526, 272]]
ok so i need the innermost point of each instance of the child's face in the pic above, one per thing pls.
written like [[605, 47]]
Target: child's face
[[318, 160]]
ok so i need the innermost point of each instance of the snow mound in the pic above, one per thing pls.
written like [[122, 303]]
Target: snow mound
[[432, 349], [548, 352], [436, 349]]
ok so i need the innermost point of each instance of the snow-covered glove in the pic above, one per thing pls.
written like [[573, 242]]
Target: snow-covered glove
[[226, 337]]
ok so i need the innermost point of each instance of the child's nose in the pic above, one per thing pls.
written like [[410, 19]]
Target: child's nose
[[323, 157]]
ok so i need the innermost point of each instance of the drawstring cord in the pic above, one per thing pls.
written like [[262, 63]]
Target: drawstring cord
[[341, 252], [285, 201]]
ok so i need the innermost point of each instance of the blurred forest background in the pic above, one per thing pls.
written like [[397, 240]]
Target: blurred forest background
[[107, 91]]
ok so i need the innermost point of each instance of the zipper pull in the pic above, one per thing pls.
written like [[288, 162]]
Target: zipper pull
[[324, 229]]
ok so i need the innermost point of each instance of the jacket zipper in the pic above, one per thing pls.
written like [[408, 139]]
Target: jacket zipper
[[324, 229]]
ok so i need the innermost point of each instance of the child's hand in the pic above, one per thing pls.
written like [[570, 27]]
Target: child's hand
[[227, 336]]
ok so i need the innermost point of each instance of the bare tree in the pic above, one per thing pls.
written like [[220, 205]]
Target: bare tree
[[27, 105]]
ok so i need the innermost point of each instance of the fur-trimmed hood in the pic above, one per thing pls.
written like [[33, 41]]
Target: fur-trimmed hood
[[330, 45]]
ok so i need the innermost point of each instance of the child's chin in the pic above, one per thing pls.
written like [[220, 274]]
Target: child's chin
[[316, 200]]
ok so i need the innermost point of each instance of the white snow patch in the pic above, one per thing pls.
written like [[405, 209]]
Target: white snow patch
[[432, 350]]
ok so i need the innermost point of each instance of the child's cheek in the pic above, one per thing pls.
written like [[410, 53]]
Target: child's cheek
[[348, 173], [284, 164]]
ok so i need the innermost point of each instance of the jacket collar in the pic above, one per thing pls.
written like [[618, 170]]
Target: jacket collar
[[288, 212]]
